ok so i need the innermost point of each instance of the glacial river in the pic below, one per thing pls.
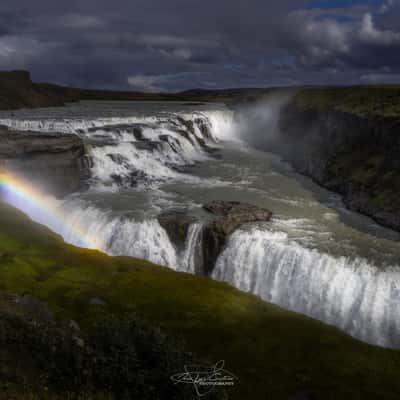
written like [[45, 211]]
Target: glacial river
[[314, 257]]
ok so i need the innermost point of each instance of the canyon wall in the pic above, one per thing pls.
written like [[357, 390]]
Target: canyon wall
[[53, 162], [354, 154]]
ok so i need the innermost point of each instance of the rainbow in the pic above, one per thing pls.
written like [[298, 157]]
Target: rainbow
[[20, 194]]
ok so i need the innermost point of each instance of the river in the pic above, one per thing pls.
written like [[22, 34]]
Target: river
[[314, 256]]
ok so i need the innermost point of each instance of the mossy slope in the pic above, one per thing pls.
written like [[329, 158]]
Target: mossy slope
[[363, 101], [275, 354]]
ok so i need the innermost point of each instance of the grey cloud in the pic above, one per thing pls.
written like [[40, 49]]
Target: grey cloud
[[155, 44]]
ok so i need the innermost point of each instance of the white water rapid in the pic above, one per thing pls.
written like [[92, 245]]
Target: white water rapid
[[156, 157]]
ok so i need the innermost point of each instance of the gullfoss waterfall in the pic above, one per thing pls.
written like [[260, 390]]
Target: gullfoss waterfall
[[152, 161]]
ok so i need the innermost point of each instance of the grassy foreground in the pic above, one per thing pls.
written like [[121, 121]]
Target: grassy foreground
[[274, 353], [363, 101]]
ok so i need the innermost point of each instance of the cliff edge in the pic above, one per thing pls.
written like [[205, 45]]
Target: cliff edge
[[347, 140]]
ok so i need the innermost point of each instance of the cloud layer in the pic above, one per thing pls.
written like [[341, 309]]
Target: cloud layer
[[179, 44]]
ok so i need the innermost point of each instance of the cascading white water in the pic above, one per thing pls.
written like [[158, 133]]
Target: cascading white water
[[148, 149], [191, 258], [350, 294], [133, 151], [117, 235]]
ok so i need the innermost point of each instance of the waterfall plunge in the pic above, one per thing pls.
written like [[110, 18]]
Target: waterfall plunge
[[350, 294]]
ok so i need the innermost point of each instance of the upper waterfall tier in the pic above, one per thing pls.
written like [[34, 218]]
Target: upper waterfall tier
[[140, 150]]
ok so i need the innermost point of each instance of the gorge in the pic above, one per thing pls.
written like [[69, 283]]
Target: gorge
[[146, 176]]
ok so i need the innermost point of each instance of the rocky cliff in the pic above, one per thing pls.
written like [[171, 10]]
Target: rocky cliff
[[55, 163], [353, 153], [18, 91]]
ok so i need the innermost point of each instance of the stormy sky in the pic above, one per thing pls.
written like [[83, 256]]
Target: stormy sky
[[179, 44]]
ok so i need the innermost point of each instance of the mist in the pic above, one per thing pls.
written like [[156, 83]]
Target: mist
[[257, 124]]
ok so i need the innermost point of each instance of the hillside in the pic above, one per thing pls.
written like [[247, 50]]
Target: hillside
[[274, 353], [367, 102]]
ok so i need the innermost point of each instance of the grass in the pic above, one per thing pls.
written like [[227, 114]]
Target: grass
[[274, 353], [363, 101]]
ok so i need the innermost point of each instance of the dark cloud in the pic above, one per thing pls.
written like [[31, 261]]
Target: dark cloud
[[178, 44]]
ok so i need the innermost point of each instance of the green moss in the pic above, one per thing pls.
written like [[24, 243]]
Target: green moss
[[273, 352], [363, 101]]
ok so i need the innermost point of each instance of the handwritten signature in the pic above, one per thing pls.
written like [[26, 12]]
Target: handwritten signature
[[205, 379]]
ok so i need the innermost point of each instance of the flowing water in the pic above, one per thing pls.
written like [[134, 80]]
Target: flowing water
[[314, 257]]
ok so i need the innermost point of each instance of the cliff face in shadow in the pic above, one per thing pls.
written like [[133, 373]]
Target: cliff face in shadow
[[353, 154], [53, 162], [18, 91]]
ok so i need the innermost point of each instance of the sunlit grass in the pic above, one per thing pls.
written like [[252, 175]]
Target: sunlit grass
[[273, 352]]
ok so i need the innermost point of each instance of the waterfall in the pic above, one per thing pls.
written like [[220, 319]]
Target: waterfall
[[353, 295], [349, 293], [191, 260], [140, 150], [117, 235]]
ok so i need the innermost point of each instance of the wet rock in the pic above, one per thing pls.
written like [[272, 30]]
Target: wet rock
[[176, 223], [233, 214], [138, 133], [189, 125], [226, 216], [52, 162], [186, 135], [118, 159], [230, 216], [147, 145], [204, 127]]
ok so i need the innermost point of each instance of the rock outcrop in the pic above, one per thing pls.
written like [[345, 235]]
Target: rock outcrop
[[18, 91], [176, 223], [225, 217], [230, 216], [52, 162]]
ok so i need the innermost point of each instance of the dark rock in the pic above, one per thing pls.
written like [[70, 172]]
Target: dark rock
[[176, 223], [52, 162], [186, 135], [35, 308], [138, 133], [227, 216], [204, 127], [234, 213], [18, 91], [118, 159], [356, 157], [79, 341], [147, 145], [231, 215], [189, 125]]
